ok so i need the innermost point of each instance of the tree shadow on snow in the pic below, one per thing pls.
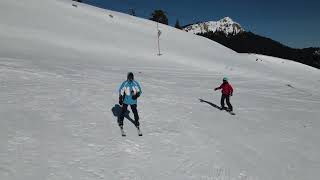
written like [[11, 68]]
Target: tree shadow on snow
[[116, 110], [210, 103]]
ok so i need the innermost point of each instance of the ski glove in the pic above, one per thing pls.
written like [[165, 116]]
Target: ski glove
[[120, 99], [134, 97]]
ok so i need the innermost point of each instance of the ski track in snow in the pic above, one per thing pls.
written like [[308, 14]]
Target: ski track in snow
[[58, 90]]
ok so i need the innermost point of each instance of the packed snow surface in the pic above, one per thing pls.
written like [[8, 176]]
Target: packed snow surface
[[61, 67], [225, 25]]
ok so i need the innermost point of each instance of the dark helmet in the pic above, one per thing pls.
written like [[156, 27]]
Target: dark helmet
[[130, 76]]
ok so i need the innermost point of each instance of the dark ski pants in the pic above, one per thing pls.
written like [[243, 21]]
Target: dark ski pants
[[227, 98], [135, 113]]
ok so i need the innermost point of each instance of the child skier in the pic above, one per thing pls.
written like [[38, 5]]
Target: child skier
[[226, 91]]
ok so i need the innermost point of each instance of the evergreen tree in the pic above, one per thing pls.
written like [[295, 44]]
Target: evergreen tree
[[177, 25], [132, 12], [159, 16]]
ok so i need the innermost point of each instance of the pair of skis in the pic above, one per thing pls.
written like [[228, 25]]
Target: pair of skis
[[124, 133], [231, 112], [228, 110]]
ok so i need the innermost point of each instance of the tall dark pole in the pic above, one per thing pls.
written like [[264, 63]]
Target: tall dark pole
[[159, 33]]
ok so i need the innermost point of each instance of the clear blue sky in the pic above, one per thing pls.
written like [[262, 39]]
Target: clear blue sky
[[291, 22]]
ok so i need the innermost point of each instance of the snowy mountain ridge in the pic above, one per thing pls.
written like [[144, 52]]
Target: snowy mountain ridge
[[225, 25]]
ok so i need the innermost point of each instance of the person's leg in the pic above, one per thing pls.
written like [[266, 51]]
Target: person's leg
[[228, 103], [222, 101], [135, 113], [122, 114]]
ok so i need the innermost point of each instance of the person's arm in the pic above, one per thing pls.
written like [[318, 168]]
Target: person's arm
[[121, 88], [138, 90], [231, 90], [121, 93], [217, 88]]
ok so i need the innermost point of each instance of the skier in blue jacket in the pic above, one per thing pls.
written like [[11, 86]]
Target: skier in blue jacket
[[129, 92]]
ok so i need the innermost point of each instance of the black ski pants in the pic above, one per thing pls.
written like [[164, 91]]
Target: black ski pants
[[134, 111], [227, 98]]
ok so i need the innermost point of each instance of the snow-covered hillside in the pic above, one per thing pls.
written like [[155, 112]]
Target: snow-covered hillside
[[225, 25], [61, 67]]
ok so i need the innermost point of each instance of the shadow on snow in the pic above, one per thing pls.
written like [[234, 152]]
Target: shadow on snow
[[211, 104], [116, 110]]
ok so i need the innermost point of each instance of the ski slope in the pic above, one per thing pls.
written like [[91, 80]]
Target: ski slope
[[60, 69]]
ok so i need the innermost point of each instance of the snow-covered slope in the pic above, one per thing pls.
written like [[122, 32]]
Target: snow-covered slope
[[61, 66], [225, 25]]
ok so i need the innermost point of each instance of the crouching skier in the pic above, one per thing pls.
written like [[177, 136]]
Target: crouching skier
[[226, 91], [129, 92]]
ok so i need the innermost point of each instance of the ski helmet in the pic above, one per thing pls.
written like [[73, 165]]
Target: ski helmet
[[225, 79], [130, 76]]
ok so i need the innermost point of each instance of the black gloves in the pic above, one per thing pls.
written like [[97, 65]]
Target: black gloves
[[134, 97], [120, 99]]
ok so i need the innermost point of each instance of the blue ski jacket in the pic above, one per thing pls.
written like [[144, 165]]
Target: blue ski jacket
[[128, 89]]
